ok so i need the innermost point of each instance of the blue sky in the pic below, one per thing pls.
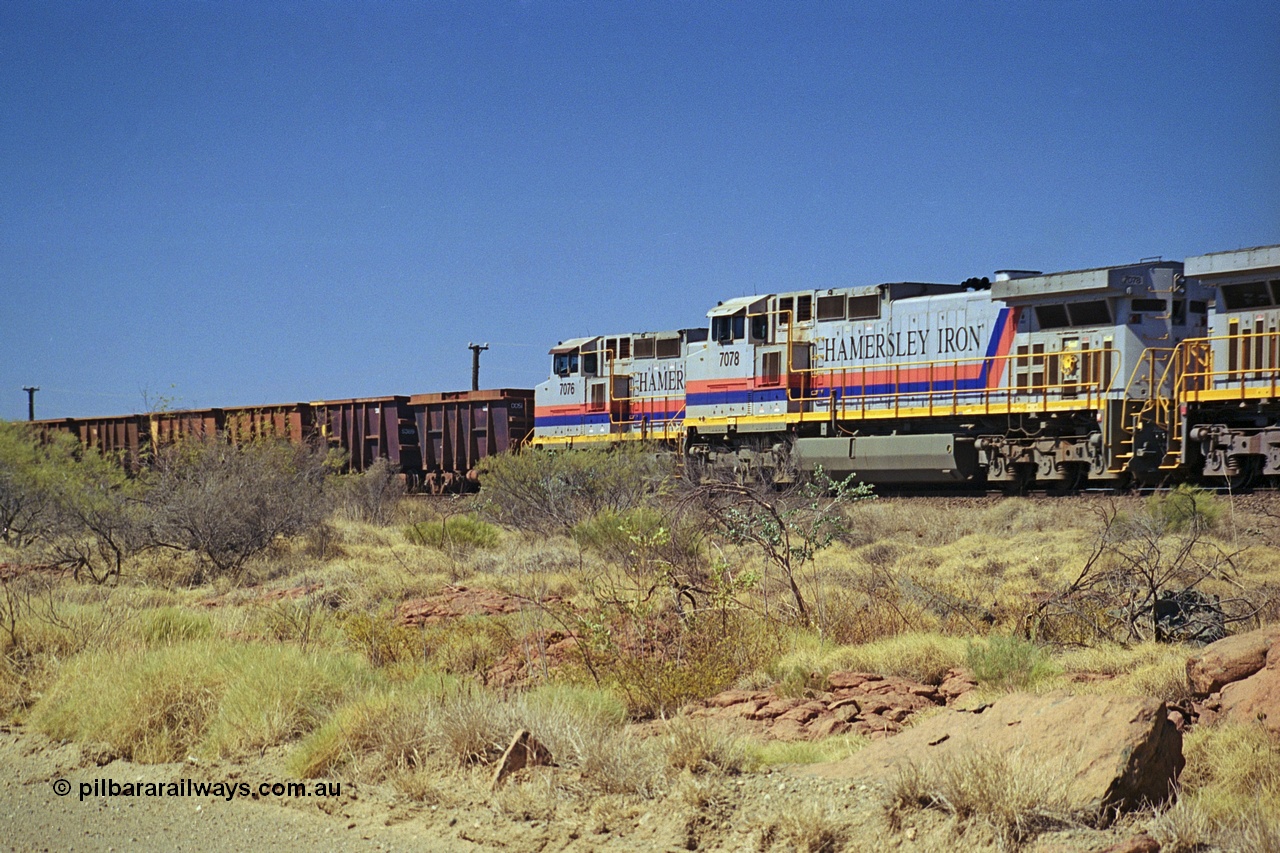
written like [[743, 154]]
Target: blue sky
[[224, 203]]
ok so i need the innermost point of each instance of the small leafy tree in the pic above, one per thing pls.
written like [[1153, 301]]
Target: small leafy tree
[[374, 494], [28, 470], [788, 527], [226, 503], [101, 519]]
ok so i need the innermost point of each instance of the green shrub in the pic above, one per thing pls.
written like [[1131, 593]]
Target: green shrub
[[1230, 792], [597, 705], [462, 532], [277, 694], [1186, 508], [549, 492], [466, 646], [613, 535], [658, 662], [702, 748], [383, 640], [376, 735], [642, 538], [1008, 662], [372, 495], [29, 472]]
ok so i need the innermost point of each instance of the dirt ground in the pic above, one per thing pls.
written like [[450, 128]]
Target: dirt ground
[[775, 810]]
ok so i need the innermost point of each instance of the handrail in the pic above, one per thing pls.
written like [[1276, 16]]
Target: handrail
[[846, 387], [1211, 378]]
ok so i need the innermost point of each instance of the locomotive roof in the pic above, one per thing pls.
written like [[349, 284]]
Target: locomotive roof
[[1259, 259], [572, 344], [733, 306], [1099, 281], [691, 335]]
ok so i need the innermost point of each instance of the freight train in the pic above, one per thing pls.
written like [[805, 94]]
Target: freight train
[[1135, 374], [1144, 373]]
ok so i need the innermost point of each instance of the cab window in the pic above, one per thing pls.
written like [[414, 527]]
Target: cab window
[[565, 364], [728, 329]]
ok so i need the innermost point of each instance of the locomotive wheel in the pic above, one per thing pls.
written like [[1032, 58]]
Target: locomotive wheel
[[1074, 479], [1024, 478], [1245, 475]]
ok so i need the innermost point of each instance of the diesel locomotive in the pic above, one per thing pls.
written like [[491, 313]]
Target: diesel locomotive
[[1133, 374]]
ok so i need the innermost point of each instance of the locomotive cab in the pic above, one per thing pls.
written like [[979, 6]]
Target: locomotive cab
[[615, 388], [738, 382]]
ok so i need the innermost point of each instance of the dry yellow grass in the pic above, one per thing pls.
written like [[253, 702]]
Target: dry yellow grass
[[144, 671]]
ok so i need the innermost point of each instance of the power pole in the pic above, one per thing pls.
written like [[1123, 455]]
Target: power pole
[[476, 349], [31, 400]]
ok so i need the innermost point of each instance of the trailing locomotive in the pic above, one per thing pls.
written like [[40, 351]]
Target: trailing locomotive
[[1138, 373], [611, 388], [1223, 412]]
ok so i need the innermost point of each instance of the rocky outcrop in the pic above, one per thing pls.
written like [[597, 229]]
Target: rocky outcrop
[[1111, 752], [852, 702], [1237, 679], [457, 601], [536, 655], [1230, 660]]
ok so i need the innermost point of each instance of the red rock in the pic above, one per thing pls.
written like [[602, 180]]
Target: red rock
[[1255, 699], [826, 727], [788, 730], [898, 715], [456, 601], [1138, 844], [875, 723], [1113, 752], [746, 709], [956, 685], [776, 708], [845, 713], [845, 680], [801, 714], [845, 710], [1230, 659], [882, 687], [731, 697]]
